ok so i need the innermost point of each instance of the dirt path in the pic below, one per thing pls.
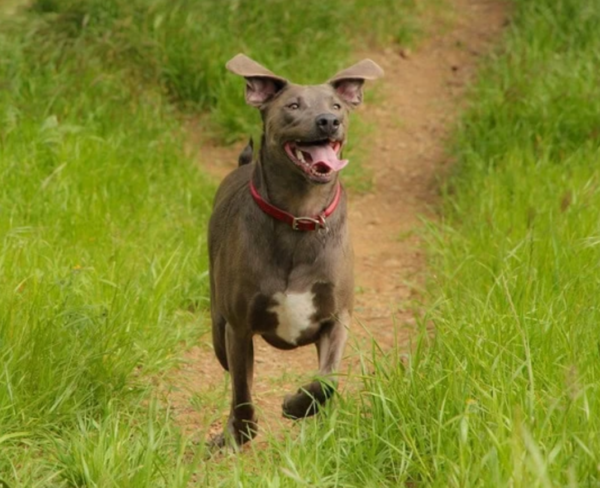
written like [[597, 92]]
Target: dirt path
[[421, 95]]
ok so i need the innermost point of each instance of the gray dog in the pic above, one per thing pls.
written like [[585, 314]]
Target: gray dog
[[279, 246]]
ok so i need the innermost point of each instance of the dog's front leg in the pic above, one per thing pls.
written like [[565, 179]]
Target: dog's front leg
[[242, 425], [330, 347]]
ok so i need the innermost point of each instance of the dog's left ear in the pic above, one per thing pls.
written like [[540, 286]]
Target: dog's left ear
[[348, 83], [261, 84]]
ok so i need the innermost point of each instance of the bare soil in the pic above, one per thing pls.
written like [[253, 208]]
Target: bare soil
[[419, 99]]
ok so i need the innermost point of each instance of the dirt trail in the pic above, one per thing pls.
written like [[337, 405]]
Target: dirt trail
[[420, 97]]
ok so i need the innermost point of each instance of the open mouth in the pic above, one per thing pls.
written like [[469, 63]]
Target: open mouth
[[318, 159]]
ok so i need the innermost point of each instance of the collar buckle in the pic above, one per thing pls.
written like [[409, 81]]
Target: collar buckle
[[319, 222]]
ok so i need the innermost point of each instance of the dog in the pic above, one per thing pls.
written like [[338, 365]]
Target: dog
[[280, 255]]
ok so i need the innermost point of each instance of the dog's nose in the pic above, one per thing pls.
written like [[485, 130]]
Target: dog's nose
[[328, 124]]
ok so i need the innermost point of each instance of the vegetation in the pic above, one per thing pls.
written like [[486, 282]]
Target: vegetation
[[103, 274], [182, 46]]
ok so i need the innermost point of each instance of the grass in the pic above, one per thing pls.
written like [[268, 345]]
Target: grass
[[103, 215], [182, 46], [102, 253], [103, 274]]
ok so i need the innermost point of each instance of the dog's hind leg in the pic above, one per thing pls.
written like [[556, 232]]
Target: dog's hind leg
[[330, 347], [218, 328], [218, 333]]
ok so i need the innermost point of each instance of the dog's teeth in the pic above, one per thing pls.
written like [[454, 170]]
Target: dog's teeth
[[300, 156]]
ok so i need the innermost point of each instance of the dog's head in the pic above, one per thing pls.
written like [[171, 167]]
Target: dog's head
[[305, 125]]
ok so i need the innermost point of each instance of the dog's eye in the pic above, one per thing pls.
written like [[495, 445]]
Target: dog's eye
[[337, 106], [293, 106]]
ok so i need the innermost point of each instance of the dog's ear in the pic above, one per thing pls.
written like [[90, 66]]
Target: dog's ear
[[261, 84], [348, 83]]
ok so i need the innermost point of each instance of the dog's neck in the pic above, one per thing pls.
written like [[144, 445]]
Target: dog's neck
[[281, 185]]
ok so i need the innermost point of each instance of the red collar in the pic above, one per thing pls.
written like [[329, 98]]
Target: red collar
[[297, 223]]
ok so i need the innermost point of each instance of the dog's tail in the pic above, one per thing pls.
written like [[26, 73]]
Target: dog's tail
[[245, 156]]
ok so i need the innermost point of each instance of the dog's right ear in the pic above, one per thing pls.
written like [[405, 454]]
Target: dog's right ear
[[261, 84]]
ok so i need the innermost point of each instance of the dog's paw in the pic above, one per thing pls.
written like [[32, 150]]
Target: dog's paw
[[237, 433], [308, 400], [299, 406]]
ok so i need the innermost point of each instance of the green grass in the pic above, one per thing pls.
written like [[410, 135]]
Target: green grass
[[182, 46], [103, 274], [103, 214], [102, 261]]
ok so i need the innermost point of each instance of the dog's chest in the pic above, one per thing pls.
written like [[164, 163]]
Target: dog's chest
[[293, 316]]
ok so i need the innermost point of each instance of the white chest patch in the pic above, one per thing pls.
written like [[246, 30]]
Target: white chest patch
[[294, 312]]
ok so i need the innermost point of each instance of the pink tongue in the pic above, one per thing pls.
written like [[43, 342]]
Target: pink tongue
[[326, 155]]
